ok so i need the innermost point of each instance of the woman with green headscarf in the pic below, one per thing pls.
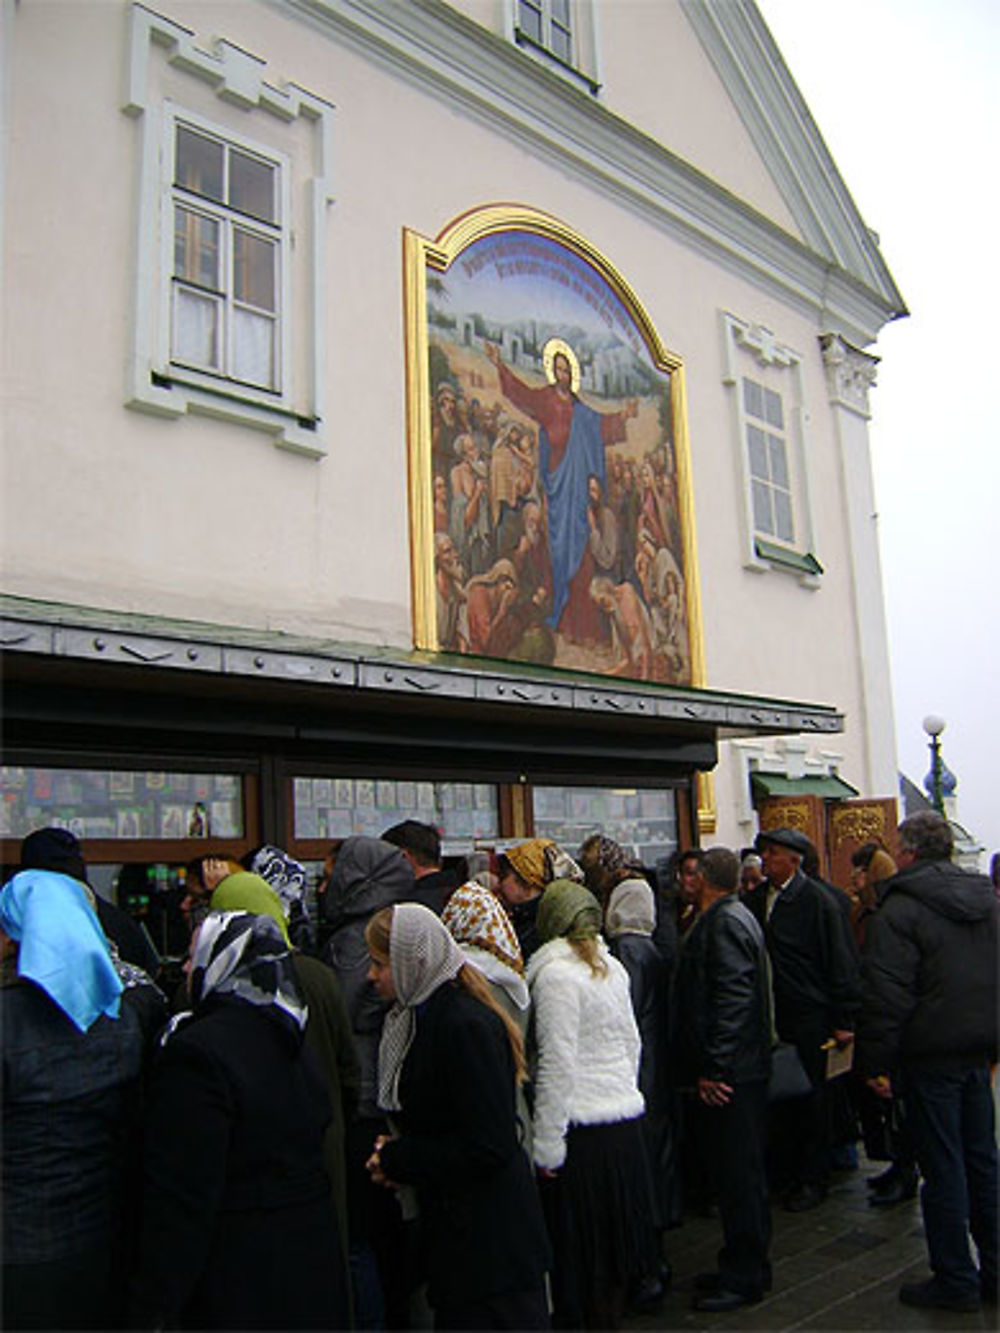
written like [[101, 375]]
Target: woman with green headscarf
[[588, 1113]]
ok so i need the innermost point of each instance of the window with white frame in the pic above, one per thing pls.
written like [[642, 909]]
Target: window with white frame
[[767, 454], [234, 166], [229, 238], [764, 377], [549, 24], [561, 35]]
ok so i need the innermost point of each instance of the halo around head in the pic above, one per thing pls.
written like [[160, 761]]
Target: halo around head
[[549, 352]]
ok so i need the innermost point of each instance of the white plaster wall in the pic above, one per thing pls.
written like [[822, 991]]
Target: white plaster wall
[[678, 101], [208, 520]]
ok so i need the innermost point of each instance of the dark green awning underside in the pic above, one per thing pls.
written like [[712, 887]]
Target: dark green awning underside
[[829, 787]]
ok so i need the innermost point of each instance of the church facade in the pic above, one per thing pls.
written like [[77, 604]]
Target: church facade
[[441, 410]]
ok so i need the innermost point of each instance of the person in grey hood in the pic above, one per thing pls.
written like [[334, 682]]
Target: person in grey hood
[[368, 874], [930, 1012]]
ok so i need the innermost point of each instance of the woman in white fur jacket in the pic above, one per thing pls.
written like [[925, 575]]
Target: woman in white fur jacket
[[588, 1112]]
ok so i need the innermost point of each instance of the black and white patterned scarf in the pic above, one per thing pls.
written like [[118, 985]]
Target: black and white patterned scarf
[[239, 954], [286, 876]]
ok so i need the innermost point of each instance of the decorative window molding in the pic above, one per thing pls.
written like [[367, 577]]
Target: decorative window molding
[[561, 34], [229, 270], [790, 757], [764, 379]]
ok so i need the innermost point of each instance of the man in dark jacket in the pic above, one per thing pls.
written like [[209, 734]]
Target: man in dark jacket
[[930, 1010], [58, 849], [421, 845], [723, 1047], [817, 993]]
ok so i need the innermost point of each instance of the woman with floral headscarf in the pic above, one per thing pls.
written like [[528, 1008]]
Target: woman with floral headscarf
[[448, 1062], [588, 1113], [238, 1224], [524, 870], [483, 931]]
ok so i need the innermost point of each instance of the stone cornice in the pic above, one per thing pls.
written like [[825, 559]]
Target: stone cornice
[[443, 52], [751, 67], [850, 373]]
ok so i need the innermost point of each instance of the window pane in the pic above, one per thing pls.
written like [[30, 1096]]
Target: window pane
[[753, 398], [779, 461], [559, 9], [101, 803], [530, 20], [772, 409], [251, 185], [253, 269], [196, 248], [253, 348], [196, 328], [463, 812], [642, 820], [559, 43], [199, 163], [758, 453], [763, 519], [784, 527]]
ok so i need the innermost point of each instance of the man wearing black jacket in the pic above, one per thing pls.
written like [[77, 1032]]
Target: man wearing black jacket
[[930, 1010], [722, 1046], [421, 845], [817, 993]]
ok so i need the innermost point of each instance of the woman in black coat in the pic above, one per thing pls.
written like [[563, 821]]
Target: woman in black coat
[[448, 1062], [239, 1229]]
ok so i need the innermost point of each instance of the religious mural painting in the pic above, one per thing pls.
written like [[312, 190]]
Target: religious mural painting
[[549, 486]]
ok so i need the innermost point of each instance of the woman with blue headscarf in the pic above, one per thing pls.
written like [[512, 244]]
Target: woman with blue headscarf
[[239, 1229], [76, 1023]]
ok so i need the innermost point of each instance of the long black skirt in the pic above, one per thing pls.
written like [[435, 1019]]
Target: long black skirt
[[599, 1214]]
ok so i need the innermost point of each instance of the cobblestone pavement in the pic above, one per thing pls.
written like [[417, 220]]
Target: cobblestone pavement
[[838, 1267]]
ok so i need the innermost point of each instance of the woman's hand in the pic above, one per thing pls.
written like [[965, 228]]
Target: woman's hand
[[214, 871], [374, 1164]]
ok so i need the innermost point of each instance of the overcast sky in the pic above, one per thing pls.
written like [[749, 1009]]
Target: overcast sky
[[906, 94]]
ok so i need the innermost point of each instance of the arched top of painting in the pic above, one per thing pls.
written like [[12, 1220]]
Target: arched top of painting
[[498, 237]]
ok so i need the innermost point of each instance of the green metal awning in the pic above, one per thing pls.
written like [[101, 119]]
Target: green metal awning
[[830, 787]]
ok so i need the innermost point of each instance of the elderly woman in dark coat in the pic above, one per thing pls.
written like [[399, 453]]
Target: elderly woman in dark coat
[[77, 1024], [327, 1031], [239, 1225], [448, 1063]]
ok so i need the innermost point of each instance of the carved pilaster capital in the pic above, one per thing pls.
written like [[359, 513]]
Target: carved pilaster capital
[[850, 373]]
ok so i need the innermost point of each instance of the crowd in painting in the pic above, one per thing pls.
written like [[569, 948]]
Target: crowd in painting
[[484, 1094], [555, 532]]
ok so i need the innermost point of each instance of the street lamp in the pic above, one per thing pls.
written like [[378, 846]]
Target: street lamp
[[934, 726]]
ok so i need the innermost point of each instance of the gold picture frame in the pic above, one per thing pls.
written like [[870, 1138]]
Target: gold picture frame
[[492, 305]]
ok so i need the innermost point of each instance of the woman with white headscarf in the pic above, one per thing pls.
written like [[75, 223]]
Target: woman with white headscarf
[[448, 1063], [238, 1225]]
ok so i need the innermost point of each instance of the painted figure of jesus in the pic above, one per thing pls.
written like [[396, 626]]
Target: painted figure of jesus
[[572, 440]]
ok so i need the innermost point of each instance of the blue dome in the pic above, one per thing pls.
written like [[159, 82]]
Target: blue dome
[[949, 783]]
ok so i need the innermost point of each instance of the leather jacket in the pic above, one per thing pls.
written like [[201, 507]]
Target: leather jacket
[[722, 1000]]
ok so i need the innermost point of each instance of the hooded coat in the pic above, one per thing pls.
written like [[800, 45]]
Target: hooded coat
[[369, 874], [930, 972]]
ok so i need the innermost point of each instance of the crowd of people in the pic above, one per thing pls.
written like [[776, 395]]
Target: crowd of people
[[481, 1098]]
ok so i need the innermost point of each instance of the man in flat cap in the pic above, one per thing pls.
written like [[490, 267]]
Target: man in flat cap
[[817, 994]]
